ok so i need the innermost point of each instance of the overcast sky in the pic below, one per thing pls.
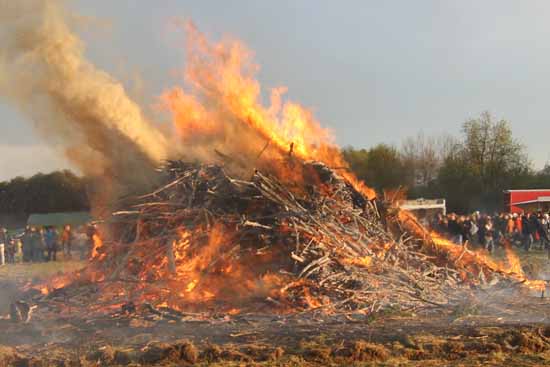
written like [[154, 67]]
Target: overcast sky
[[372, 71]]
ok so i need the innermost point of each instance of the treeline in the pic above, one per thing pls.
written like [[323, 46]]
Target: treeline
[[59, 191], [470, 171]]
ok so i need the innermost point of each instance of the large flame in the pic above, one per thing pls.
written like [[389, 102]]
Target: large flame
[[221, 108]]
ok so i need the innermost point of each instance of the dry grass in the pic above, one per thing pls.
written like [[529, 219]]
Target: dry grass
[[30, 271], [535, 263], [14, 276]]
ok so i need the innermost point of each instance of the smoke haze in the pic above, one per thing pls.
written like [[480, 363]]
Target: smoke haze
[[217, 115], [73, 104]]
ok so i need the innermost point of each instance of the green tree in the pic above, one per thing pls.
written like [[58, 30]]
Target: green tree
[[487, 161], [42, 193], [380, 167], [357, 160], [492, 151]]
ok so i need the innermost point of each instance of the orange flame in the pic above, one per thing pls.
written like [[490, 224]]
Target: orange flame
[[361, 261], [472, 260], [97, 244], [223, 109], [311, 301], [513, 260]]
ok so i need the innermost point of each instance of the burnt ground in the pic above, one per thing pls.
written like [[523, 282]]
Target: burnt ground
[[307, 339], [491, 327]]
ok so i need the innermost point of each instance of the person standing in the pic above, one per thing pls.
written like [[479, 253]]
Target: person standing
[[509, 227], [37, 245], [499, 228], [481, 222], [18, 257], [455, 230], [524, 230], [467, 230], [10, 250], [489, 235], [543, 231], [26, 245], [3, 243], [437, 223], [67, 238], [528, 230], [51, 239], [518, 229]]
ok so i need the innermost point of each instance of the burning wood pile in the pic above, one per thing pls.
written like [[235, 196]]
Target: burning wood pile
[[294, 235], [205, 241], [235, 242]]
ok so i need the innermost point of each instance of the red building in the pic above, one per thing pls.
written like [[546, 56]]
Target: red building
[[518, 201]]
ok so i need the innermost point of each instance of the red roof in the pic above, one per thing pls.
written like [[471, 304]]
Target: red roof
[[515, 199]]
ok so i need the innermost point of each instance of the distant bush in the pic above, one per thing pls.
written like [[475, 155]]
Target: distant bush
[[59, 191]]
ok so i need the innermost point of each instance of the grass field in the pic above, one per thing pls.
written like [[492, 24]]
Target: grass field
[[535, 263], [22, 273], [14, 276]]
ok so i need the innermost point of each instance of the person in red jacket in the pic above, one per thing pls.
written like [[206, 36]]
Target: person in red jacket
[[67, 238]]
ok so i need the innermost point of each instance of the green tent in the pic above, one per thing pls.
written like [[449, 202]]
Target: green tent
[[59, 219]]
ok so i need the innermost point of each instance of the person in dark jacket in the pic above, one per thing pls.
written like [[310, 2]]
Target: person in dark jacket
[[467, 230], [529, 229], [437, 223], [26, 245], [11, 249], [499, 225], [454, 229], [538, 227], [51, 239], [481, 231], [37, 245], [543, 231], [489, 234]]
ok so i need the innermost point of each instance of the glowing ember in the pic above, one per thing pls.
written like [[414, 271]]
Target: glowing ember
[[97, 245], [364, 261], [191, 286], [312, 302], [234, 311]]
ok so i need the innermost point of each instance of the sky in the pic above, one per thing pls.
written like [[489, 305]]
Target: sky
[[371, 71]]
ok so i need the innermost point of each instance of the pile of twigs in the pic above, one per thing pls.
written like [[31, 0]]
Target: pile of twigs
[[316, 244], [205, 242]]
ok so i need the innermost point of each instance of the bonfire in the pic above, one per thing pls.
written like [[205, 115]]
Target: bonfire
[[254, 208], [206, 243]]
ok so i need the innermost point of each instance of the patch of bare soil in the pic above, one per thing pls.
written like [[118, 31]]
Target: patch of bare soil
[[449, 337]]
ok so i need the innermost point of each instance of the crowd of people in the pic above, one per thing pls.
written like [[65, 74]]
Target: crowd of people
[[524, 230], [39, 244]]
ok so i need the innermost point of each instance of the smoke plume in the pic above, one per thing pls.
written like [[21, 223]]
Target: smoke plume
[[73, 104], [217, 114]]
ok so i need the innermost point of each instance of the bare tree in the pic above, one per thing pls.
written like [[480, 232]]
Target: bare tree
[[424, 155]]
